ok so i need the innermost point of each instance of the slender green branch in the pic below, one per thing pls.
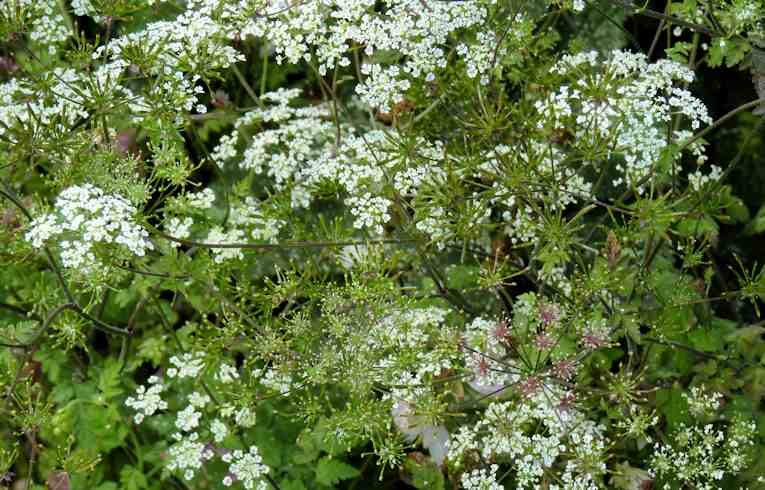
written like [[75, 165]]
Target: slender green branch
[[284, 245], [719, 122]]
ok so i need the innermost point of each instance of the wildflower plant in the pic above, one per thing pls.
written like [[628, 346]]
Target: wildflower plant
[[276, 244]]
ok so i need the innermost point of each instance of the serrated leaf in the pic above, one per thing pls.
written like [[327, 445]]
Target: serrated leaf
[[704, 226], [673, 405], [109, 379], [293, 485], [330, 471], [109, 485], [705, 340], [152, 348], [424, 475], [132, 478], [757, 225]]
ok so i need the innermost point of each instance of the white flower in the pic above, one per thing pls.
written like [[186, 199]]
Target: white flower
[[203, 199], [434, 438], [244, 417], [178, 229], [226, 373], [85, 216], [198, 400], [248, 468], [187, 365], [146, 402], [482, 479], [703, 402], [188, 455], [218, 236], [188, 419], [219, 430]]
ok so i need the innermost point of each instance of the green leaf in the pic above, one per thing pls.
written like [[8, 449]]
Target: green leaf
[[330, 471], [736, 50], [83, 416], [757, 225], [132, 478], [109, 379], [716, 53], [53, 362], [737, 210], [153, 348], [462, 276], [292, 485], [706, 340], [425, 475], [704, 226], [673, 405]]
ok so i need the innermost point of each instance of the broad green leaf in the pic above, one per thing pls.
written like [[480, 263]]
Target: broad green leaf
[[757, 225], [673, 406], [330, 471], [132, 478], [424, 475]]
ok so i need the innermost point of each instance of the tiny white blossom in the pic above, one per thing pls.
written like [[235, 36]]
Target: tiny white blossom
[[147, 402]]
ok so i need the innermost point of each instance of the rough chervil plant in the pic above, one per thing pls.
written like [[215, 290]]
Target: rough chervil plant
[[203, 433], [85, 216], [284, 244]]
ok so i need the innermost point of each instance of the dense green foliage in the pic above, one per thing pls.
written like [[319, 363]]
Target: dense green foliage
[[375, 244]]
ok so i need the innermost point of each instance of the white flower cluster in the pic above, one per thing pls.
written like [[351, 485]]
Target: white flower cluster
[[481, 56], [407, 328], [370, 211], [481, 479], [147, 402], [65, 100], [702, 456], [178, 228], [198, 41], [48, 24], [302, 152], [251, 216], [188, 419], [188, 365], [193, 42], [218, 235], [196, 424], [702, 402], [245, 218], [642, 99], [246, 467], [507, 433], [394, 345], [85, 216], [327, 28], [698, 179], [278, 380], [283, 151], [188, 455], [84, 8], [434, 223], [745, 11], [226, 374], [219, 430]]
